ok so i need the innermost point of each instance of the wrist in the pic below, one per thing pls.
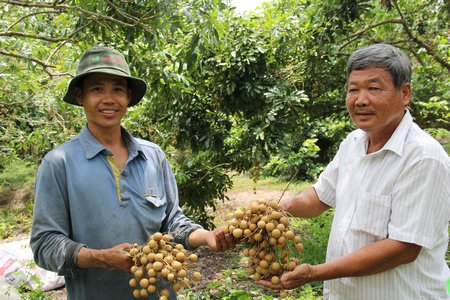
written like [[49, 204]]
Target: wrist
[[311, 273], [90, 258], [198, 238]]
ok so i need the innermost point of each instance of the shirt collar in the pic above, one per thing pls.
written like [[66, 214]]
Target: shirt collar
[[396, 141], [92, 146]]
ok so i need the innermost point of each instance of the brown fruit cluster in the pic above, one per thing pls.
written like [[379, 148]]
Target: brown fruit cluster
[[265, 229], [160, 259]]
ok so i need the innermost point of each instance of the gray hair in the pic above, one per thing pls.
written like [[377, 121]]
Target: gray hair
[[384, 56]]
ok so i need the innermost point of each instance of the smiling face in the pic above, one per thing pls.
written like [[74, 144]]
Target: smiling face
[[104, 98], [373, 102]]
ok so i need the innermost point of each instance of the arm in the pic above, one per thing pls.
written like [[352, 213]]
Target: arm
[[306, 204], [216, 240], [113, 258], [375, 258], [52, 248]]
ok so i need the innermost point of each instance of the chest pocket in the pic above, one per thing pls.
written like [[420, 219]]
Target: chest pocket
[[154, 200], [154, 208], [373, 214]]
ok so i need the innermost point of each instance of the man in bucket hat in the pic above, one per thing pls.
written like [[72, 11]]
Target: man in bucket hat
[[105, 189]]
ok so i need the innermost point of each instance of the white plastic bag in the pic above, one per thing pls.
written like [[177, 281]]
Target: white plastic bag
[[18, 268]]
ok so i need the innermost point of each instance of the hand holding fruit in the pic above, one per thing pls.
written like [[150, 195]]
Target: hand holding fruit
[[271, 245], [112, 258], [160, 259], [217, 240], [301, 275]]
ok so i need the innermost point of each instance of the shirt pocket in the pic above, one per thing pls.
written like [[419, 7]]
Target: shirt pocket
[[154, 200], [373, 214], [154, 206]]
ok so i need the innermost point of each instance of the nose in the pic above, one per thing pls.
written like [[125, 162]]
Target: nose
[[362, 98], [108, 96]]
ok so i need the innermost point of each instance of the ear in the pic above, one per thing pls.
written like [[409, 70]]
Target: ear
[[130, 93], [78, 92], [406, 93]]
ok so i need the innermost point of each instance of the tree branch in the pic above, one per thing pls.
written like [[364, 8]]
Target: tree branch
[[30, 15], [66, 41], [358, 34], [27, 3], [33, 36], [15, 55], [408, 32], [430, 50]]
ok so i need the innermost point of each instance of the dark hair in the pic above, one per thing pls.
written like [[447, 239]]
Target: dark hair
[[384, 56]]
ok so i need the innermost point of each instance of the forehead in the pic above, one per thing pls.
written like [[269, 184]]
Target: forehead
[[373, 74], [99, 78]]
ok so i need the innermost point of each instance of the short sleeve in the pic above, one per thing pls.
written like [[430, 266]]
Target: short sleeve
[[420, 208]]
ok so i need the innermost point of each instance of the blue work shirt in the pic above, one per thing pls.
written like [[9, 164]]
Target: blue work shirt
[[78, 204]]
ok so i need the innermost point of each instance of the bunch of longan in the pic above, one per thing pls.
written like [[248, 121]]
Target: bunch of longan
[[160, 259], [264, 228]]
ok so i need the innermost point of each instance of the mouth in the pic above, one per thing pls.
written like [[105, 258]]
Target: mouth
[[363, 113], [108, 110]]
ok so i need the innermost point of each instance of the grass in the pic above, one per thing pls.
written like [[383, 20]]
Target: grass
[[243, 183], [16, 205], [17, 173]]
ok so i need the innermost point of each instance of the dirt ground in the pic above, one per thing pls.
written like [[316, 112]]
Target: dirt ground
[[212, 264]]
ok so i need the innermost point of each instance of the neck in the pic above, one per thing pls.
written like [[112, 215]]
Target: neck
[[377, 139], [110, 138]]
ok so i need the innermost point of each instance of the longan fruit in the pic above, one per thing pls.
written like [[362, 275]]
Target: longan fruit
[[239, 214], [196, 276], [151, 289], [157, 236], [137, 293], [237, 233], [275, 280], [133, 282], [144, 283], [193, 257]]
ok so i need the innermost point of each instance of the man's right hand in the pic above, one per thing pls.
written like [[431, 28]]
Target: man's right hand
[[112, 258]]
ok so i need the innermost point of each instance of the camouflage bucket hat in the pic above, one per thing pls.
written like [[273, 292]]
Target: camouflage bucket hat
[[109, 61]]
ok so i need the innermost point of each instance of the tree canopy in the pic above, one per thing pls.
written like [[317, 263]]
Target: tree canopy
[[260, 92]]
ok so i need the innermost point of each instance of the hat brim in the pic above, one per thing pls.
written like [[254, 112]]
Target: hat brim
[[138, 86]]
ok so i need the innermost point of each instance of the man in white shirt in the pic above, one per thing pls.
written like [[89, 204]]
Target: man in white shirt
[[390, 186]]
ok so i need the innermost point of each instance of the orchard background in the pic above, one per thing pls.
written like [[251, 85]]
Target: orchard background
[[259, 94]]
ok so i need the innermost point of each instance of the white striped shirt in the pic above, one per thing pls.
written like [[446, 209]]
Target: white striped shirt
[[402, 192]]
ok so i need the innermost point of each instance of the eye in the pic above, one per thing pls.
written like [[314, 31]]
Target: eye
[[374, 88]]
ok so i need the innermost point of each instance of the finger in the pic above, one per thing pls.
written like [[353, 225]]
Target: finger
[[226, 241], [125, 246], [286, 277], [220, 242], [231, 243], [292, 284], [269, 284]]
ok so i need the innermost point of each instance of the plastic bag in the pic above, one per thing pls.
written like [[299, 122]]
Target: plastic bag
[[18, 268]]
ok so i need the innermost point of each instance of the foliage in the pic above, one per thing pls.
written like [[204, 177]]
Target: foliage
[[9, 224], [226, 291], [201, 185], [17, 173], [16, 176], [442, 135]]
